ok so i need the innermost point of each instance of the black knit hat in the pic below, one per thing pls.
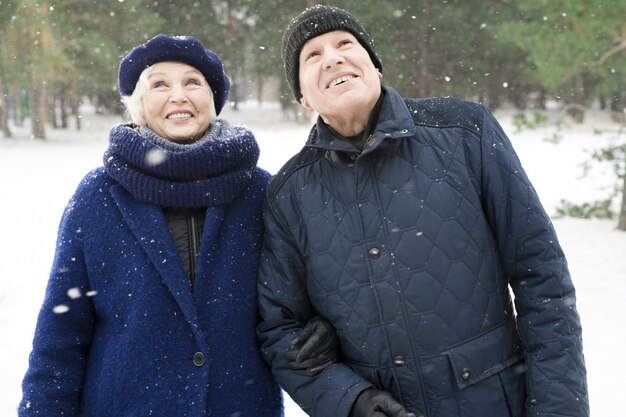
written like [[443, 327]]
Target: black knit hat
[[313, 22], [186, 49]]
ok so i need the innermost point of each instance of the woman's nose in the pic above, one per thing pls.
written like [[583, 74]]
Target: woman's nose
[[178, 95]]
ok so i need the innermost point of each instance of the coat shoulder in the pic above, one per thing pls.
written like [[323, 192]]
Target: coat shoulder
[[92, 189], [94, 180], [447, 112], [306, 156]]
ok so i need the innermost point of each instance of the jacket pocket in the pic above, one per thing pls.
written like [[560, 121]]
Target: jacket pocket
[[485, 355]]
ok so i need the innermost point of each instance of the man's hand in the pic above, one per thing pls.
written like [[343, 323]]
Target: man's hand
[[373, 403], [314, 348]]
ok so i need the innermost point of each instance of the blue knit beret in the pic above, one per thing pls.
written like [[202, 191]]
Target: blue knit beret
[[186, 49]]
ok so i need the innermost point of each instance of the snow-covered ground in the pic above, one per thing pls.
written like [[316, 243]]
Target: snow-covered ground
[[37, 178]]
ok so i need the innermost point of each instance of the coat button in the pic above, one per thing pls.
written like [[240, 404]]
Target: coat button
[[465, 374], [374, 253], [399, 360], [198, 359]]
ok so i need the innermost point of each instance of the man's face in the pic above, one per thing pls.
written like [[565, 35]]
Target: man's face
[[337, 75]]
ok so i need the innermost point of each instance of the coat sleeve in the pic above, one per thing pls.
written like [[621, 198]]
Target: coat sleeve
[[537, 271], [284, 309], [53, 382]]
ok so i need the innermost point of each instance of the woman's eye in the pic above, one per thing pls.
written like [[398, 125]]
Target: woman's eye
[[193, 81], [158, 84]]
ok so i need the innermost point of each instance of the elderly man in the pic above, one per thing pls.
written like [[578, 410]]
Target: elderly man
[[404, 223]]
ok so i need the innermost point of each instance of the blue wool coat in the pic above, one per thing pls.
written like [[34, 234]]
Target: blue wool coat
[[409, 249], [121, 333]]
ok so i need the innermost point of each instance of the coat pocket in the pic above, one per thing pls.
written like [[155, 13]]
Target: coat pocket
[[485, 355]]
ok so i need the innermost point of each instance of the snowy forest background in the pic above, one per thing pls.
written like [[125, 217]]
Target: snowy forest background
[[526, 54], [553, 71], [53, 53]]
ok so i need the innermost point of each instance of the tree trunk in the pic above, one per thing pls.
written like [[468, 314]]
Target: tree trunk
[[621, 223], [63, 104], [574, 101], [39, 83], [38, 110], [576, 111], [74, 103], [52, 111], [492, 96], [4, 112], [424, 79], [259, 89], [18, 110]]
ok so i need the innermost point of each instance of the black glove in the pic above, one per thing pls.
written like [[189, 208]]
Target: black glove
[[373, 403], [315, 347]]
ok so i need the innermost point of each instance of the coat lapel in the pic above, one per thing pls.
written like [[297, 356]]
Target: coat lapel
[[149, 226]]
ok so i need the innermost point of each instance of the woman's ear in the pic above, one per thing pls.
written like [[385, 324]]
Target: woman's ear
[[140, 120]]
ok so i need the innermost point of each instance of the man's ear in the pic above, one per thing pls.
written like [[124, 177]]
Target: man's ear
[[380, 74], [305, 104]]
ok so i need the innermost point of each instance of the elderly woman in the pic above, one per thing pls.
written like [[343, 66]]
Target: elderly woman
[[151, 304]]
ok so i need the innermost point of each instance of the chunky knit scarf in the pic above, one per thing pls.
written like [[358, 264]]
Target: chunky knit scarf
[[208, 173]]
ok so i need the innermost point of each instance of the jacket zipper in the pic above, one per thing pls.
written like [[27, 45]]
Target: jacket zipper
[[194, 242]]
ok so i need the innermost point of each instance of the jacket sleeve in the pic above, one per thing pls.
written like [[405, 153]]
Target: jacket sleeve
[[53, 382], [537, 271], [284, 309]]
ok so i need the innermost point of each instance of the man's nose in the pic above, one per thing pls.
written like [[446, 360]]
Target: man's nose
[[332, 57]]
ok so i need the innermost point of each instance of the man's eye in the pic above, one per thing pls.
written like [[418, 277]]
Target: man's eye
[[312, 54], [345, 42]]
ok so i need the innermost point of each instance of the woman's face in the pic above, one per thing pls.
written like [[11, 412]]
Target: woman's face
[[178, 104]]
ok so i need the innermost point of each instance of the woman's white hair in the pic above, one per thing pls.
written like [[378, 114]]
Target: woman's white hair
[[134, 106]]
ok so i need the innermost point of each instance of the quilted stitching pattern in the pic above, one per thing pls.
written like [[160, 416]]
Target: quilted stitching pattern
[[430, 233]]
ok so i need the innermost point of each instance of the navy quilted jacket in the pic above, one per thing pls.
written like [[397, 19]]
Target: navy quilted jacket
[[409, 249]]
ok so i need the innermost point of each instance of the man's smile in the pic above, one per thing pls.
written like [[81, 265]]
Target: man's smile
[[341, 80]]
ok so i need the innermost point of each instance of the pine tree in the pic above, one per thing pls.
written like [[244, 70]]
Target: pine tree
[[564, 41]]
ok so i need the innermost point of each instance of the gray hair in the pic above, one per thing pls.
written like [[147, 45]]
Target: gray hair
[[134, 106]]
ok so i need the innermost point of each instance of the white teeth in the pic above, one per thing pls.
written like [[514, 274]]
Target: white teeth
[[341, 80], [179, 116]]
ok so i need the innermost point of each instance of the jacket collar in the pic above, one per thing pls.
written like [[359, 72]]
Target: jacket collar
[[394, 122]]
